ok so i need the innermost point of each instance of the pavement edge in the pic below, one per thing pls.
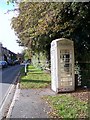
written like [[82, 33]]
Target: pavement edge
[[17, 90]]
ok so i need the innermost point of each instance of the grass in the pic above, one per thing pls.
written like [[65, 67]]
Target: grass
[[66, 106], [35, 78], [63, 105]]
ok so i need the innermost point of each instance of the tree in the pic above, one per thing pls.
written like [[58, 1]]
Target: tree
[[27, 54], [39, 23]]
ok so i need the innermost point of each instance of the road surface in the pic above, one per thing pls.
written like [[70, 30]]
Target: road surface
[[7, 77]]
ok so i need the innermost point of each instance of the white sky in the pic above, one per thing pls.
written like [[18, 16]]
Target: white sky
[[7, 35]]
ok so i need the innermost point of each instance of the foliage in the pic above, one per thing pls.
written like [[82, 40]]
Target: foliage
[[12, 1], [38, 23], [27, 53]]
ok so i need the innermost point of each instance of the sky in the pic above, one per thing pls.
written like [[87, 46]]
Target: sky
[[7, 35]]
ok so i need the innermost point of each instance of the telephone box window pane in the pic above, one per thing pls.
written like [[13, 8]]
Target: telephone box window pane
[[70, 83], [67, 56], [66, 83]]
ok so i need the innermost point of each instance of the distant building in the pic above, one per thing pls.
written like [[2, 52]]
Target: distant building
[[6, 54], [20, 57]]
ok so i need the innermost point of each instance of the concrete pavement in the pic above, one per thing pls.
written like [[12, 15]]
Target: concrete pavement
[[28, 103]]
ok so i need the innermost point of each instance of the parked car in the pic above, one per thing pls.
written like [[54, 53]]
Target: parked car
[[10, 62], [3, 64], [16, 62]]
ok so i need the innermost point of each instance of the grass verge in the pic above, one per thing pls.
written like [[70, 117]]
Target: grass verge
[[63, 105], [66, 106], [35, 78]]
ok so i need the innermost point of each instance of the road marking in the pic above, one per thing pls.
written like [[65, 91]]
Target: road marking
[[8, 92], [5, 97], [16, 97]]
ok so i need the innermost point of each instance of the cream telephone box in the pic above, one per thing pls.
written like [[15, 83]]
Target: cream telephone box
[[62, 65]]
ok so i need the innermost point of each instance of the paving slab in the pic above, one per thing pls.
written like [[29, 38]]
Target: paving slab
[[31, 105]]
